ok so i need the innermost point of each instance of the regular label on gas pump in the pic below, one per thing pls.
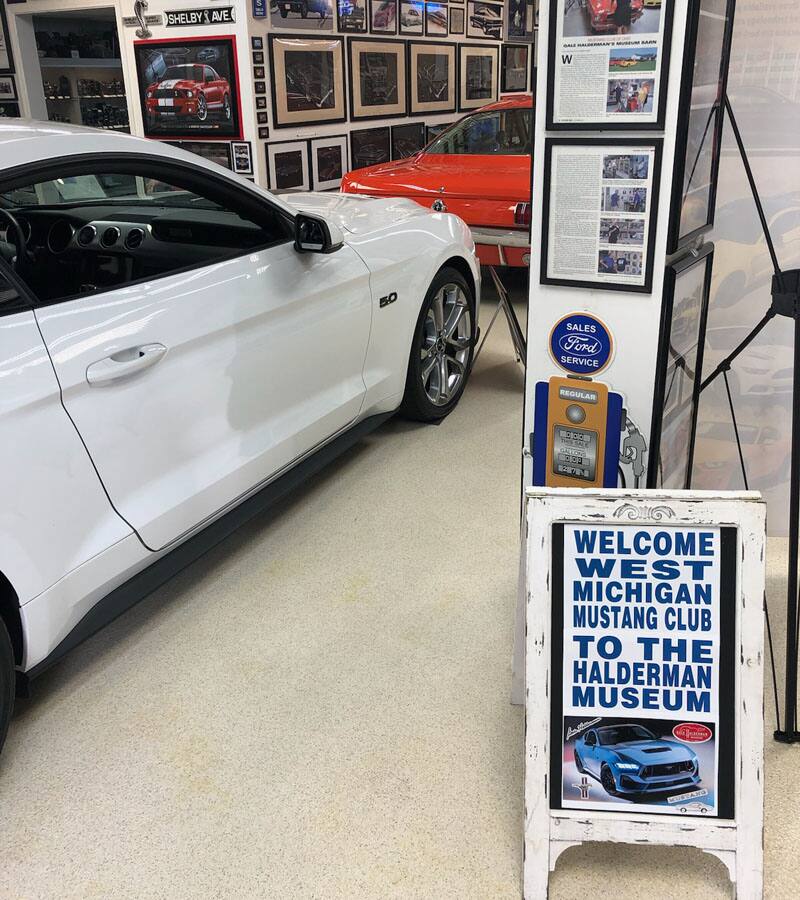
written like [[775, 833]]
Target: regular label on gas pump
[[639, 723]]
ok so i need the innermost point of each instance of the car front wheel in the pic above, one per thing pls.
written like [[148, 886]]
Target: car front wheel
[[202, 108], [7, 682], [226, 107], [442, 349], [607, 780]]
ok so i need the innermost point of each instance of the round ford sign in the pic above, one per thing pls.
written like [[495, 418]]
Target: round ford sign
[[581, 344]]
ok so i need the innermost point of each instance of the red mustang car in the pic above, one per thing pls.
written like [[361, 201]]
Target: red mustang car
[[480, 169], [600, 14], [191, 89]]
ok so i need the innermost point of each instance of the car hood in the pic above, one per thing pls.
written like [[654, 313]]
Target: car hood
[[175, 84], [504, 178], [353, 213], [652, 753]]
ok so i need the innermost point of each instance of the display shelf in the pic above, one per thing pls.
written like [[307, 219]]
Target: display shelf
[[81, 62]]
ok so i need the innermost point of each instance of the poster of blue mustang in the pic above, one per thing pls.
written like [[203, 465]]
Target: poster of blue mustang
[[640, 718]]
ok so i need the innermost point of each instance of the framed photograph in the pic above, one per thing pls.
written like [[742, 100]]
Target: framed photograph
[[307, 80], [522, 20], [257, 43], [217, 152], [242, 157], [263, 133], [432, 72], [369, 146], [352, 16], [383, 16], [514, 77], [260, 87], [8, 90], [287, 166], [262, 118], [485, 20], [412, 17], [478, 75], [9, 110], [435, 19], [684, 312], [407, 139], [258, 58], [700, 120], [610, 188], [261, 102], [328, 162], [377, 78], [6, 58], [312, 16], [258, 72], [188, 87], [608, 71], [433, 131], [456, 20]]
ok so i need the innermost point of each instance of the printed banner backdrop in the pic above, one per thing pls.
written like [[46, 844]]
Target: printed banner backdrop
[[643, 714], [188, 88]]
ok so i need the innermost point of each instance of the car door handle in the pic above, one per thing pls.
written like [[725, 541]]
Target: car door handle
[[124, 363]]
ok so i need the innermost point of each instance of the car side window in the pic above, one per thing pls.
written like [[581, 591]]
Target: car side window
[[93, 231], [591, 740]]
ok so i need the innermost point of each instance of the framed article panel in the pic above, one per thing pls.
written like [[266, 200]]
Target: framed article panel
[[514, 75], [700, 120], [377, 70], [478, 67], [307, 80], [433, 78], [684, 313], [601, 78], [599, 212]]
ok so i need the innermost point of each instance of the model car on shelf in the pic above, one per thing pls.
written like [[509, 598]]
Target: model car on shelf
[[480, 169], [190, 90], [178, 348], [487, 20], [629, 760], [601, 14]]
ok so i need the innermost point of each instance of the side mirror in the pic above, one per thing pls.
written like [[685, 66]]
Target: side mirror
[[313, 235]]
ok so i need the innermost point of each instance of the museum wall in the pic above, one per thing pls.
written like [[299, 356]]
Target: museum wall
[[317, 86], [764, 89]]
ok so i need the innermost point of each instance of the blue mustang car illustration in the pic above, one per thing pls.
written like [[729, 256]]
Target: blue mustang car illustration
[[629, 761]]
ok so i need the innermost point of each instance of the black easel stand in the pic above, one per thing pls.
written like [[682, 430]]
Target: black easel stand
[[785, 292]]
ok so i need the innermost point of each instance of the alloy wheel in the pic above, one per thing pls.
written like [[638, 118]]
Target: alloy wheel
[[227, 107], [446, 340], [607, 780], [202, 108]]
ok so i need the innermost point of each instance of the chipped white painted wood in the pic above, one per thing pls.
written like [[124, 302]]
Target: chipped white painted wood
[[737, 842]]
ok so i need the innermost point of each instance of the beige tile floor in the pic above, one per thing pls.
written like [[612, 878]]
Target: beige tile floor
[[320, 708]]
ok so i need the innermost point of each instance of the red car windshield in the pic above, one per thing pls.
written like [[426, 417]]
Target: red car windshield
[[183, 73], [500, 132]]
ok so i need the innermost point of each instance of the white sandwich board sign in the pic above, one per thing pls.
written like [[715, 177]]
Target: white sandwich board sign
[[643, 675]]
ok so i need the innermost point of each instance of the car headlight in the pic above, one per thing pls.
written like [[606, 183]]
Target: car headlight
[[190, 93], [628, 767], [149, 95]]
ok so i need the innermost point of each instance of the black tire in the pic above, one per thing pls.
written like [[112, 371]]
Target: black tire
[[7, 682], [607, 780], [202, 108], [579, 764], [417, 404], [226, 107]]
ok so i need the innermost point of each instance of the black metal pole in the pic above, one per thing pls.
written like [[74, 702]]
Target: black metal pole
[[789, 734]]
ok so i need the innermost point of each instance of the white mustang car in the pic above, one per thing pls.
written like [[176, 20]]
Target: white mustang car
[[177, 348]]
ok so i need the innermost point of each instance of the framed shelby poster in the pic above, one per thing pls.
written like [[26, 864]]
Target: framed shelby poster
[[608, 65], [599, 213]]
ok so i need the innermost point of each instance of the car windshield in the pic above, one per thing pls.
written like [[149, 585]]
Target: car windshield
[[192, 73], [496, 132], [102, 188], [621, 734]]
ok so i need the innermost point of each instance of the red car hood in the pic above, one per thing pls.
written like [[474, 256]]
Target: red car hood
[[506, 178], [174, 84]]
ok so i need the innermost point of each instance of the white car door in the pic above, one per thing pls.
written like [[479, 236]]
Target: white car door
[[203, 368]]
